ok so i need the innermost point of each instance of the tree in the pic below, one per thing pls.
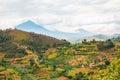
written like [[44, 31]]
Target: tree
[[84, 41], [109, 43], [105, 45], [32, 62], [100, 46], [93, 41], [81, 76], [107, 62], [65, 43], [54, 45], [45, 46], [4, 62], [4, 37]]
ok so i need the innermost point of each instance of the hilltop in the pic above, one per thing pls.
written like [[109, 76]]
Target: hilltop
[[19, 35]]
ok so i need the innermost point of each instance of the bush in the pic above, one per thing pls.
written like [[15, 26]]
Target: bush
[[100, 46], [2, 68], [107, 62], [81, 76], [4, 62], [101, 66]]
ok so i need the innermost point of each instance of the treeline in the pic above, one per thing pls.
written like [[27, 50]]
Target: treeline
[[102, 45], [4, 37], [38, 47]]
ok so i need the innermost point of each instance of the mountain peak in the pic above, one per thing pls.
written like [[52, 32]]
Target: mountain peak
[[31, 26], [29, 22]]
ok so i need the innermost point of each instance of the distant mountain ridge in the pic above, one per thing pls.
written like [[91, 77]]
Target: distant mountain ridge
[[99, 37], [30, 26]]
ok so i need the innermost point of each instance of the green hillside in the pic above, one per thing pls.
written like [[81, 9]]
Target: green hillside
[[30, 56], [19, 35]]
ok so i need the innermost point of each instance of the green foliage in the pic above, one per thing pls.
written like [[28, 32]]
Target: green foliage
[[2, 68], [109, 44], [105, 45], [35, 46], [54, 45], [10, 48], [32, 62], [107, 62], [101, 66], [93, 41], [4, 37], [84, 41], [15, 52], [4, 62], [31, 58], [81, 76], [29, 77], [64, 43], [100, 46]]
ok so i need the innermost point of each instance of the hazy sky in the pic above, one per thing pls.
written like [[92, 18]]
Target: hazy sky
[[99, 16]]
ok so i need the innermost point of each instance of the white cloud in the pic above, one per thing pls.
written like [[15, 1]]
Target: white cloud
[[99, 16]]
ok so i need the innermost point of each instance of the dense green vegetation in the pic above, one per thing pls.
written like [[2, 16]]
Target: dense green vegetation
[[105, 45], [30, 58]]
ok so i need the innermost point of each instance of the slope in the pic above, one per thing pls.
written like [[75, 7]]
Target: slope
[[19, 35]]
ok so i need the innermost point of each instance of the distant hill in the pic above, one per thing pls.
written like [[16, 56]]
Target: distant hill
[[31, 26], [99, 37], [116, 37]]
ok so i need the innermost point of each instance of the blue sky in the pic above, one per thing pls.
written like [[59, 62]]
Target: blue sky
[[99, 16]]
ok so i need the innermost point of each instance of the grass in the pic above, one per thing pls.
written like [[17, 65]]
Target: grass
[[19, 35], [12, 70], [2, 68]]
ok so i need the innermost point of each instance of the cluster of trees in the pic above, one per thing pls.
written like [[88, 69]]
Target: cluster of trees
[[7, 46], [4, 62], [79, 76], [87, 42], [35, 46], [64, 43], [105, 45], [4, 37], [13, 51]]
